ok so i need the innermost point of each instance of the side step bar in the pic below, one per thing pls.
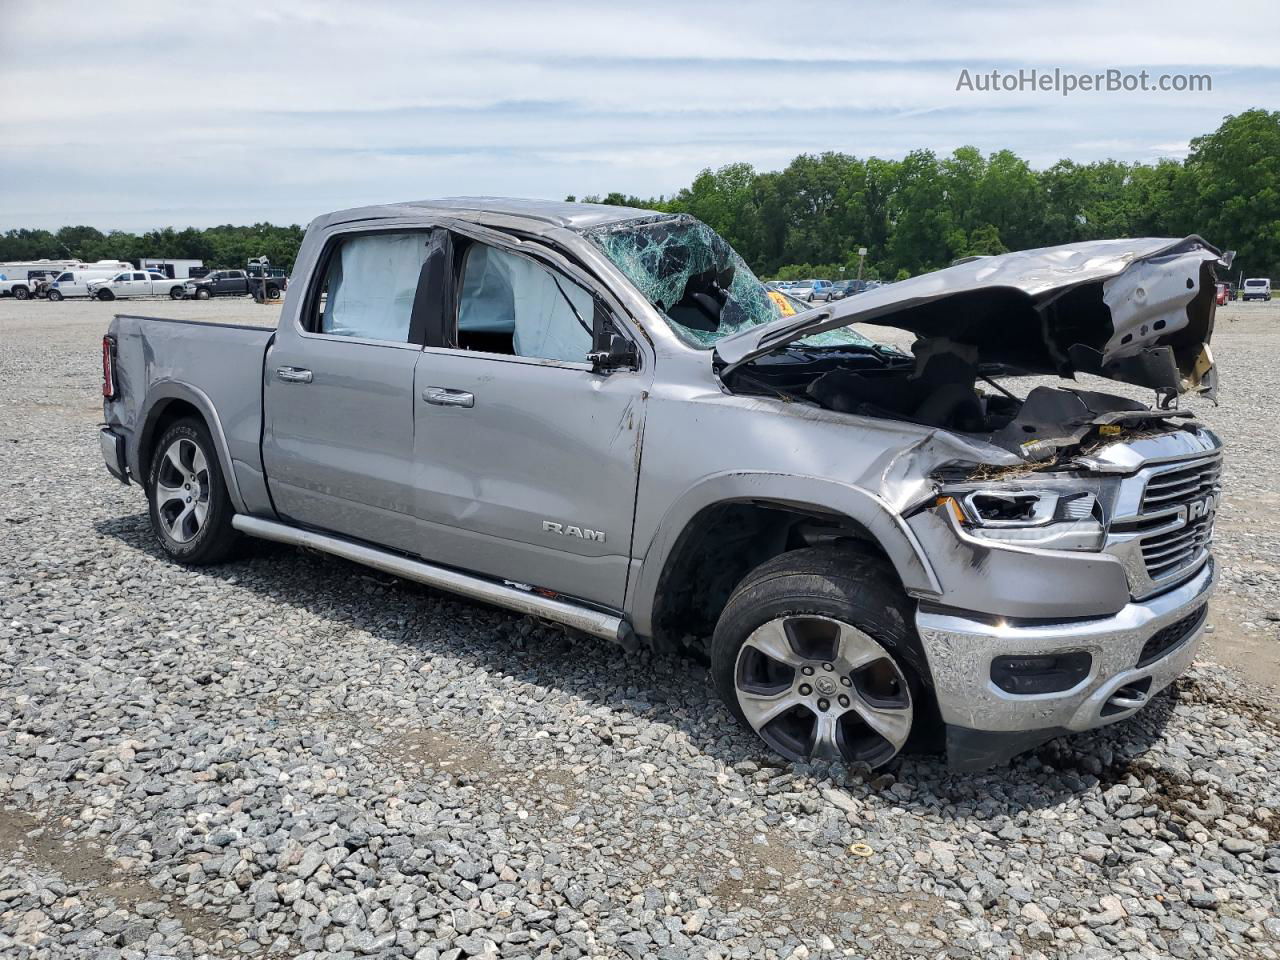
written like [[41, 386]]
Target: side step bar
[[571, 615]]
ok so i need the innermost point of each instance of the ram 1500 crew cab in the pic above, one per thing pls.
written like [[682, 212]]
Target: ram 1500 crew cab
[[598, 416]]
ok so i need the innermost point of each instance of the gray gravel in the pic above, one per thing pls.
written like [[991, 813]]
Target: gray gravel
[[291, 756]]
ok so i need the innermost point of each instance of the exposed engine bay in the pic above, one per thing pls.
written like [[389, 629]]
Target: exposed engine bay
[[944, 384]]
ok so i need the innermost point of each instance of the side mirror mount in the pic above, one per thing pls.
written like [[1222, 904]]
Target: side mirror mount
[[619, 354], [612, 351]]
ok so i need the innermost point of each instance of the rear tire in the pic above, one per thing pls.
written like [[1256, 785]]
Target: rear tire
[[273, 293], [21, 293], [816, 651], [190, 509]]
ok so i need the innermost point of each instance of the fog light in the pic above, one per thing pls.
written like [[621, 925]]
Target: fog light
[[1047, 674]]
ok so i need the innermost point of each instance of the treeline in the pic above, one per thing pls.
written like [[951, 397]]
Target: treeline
[[924, 211], [224, 246], [912, 215]]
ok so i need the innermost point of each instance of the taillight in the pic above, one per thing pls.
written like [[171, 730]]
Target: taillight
[[109, 367]]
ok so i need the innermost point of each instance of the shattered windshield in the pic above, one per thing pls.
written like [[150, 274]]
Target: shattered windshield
[[697, 281]]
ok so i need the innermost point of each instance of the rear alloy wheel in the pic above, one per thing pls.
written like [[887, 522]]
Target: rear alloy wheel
[[815, 653], [190, 509], [273, 293], [21, 293]]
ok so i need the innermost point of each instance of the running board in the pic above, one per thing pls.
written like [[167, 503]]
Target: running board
[[570, 614]]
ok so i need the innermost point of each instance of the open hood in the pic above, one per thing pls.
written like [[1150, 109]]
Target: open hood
[[1138, 311]]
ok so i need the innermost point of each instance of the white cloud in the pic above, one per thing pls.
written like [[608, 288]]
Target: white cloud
[[120, 117]]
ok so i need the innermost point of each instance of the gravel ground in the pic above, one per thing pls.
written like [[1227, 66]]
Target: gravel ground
[[292, 756]]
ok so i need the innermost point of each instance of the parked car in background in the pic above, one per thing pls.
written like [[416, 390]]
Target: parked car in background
[[867, 549], [75, 283], [136, 283], [811, 290], [234, 283], [1256, 288], [1223, 293], [33, 278], [847, 288]]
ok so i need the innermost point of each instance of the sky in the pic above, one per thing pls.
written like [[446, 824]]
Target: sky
[[126, 115]]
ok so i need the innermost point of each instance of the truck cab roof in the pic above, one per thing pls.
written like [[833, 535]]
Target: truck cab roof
[[553, 213]]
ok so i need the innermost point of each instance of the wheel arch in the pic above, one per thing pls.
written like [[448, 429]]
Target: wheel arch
[[734, 522], [172, 400]]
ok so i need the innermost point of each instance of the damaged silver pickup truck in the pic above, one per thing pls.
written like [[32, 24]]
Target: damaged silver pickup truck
[[598, 415]]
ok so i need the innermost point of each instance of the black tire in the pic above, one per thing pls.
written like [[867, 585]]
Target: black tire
[[177, 293], [273, 293], [819, 590], [21, 293], [55, 296], [213, 539], [202, 294], [106, 295]]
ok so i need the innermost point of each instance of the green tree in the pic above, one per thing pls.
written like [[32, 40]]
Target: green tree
[[1233, 185]]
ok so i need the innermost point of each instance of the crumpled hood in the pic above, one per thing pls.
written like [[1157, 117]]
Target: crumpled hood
[[1139, 311]]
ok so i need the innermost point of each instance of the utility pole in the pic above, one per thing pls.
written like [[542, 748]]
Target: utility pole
[[862, 255]]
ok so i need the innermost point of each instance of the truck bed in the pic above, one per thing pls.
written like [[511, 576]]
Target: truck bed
[[214, 367]]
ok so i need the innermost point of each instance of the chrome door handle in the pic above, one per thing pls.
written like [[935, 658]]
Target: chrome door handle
[[293, 374], [444, 397]]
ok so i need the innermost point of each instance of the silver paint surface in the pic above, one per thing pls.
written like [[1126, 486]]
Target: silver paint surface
[[357, 453]]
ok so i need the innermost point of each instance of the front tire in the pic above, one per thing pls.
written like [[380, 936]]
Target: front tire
[[190, 509], [55, 296], [177, 293], [202, 294], [105, 295], [816, 652]]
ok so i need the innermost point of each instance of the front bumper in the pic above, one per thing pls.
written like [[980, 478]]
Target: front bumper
[[113, 452], [987, 724]]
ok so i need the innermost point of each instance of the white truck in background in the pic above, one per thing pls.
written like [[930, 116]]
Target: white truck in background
[[23, 280], [136, 283]]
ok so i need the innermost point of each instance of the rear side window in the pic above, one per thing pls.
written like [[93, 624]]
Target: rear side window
[[369, 286], [513, 305]]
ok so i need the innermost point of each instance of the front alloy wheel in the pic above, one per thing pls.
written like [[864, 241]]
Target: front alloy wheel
[[814, 687], [816, 651]]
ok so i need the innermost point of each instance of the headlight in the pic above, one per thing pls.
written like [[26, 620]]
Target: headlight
[[1030, 516]]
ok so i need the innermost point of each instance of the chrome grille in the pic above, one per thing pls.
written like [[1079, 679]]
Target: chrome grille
[[1175, 521]]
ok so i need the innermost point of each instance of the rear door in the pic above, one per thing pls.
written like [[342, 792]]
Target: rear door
[[338, 444], [526, 458]]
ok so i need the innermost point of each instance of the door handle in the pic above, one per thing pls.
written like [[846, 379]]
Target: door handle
[[293, 374], [444, 397]]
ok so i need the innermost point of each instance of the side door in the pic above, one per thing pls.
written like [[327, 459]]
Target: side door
[[338, 442], [525, 456]]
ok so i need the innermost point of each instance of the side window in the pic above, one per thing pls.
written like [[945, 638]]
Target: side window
[[511, 304], [369, 285], [140, 276]]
